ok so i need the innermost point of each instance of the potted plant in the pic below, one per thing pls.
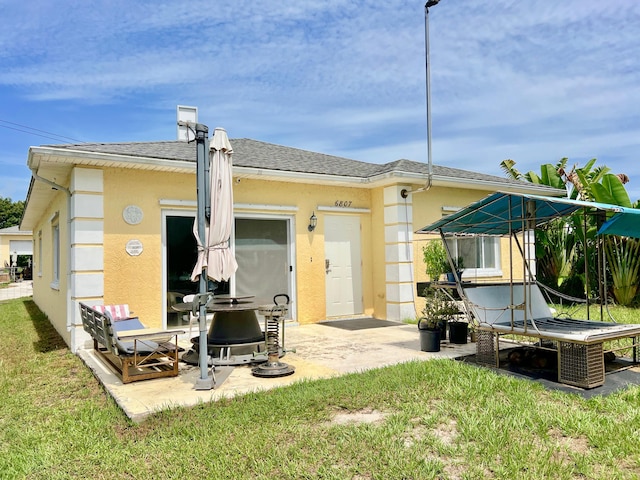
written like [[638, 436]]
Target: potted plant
[[473, 333], [435, 260], [438, 310], [458, 263], [458, 330], [429, 335]]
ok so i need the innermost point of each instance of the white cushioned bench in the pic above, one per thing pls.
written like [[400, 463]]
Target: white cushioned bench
[[134, 351]]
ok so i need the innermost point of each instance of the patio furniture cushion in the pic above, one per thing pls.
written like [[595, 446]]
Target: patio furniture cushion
[[131, 346], [117, 312]]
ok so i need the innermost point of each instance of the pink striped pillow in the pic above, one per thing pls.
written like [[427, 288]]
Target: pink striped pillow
[[117, 312]]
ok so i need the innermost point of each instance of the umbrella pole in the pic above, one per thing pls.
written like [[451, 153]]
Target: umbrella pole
[[206, 381]]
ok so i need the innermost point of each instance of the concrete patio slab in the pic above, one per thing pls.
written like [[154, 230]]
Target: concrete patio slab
[[322, 351], [17, 290]]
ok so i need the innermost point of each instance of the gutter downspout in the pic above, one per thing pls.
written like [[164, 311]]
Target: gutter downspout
[[70, 310]]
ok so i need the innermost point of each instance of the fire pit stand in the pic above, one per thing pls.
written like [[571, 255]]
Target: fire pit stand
[[274, 315], [235, 337]]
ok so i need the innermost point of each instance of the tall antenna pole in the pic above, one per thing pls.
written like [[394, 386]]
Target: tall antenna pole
[[427, 5], [404, 193]]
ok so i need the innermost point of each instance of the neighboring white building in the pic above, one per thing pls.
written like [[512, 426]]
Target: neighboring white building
[[14, 241]]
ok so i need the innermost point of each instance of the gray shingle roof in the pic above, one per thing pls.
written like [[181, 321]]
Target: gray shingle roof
[[15, 230], [261, 155]]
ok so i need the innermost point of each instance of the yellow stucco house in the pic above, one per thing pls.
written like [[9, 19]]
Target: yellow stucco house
[[113, 223]]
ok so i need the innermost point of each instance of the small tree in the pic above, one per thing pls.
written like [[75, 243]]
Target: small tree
[[10, 212], [623, 257], [438, 308], [435, 259], [589, 183]]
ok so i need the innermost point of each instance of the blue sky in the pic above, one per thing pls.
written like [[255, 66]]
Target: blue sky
[[533, 81]]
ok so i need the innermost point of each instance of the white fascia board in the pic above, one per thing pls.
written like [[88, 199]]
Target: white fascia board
[[81, 157], [24, 233], [391, 178], [298, 176], [91, 158], [469, 183], [318, 178], [496, 186]]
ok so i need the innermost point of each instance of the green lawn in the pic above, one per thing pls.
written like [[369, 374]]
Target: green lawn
[[439, 419], [613, 313]]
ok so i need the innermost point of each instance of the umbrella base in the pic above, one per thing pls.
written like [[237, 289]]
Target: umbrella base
[[273, 369], [205, 383]]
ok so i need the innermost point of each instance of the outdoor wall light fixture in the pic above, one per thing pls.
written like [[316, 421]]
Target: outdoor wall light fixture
[[313, 221]]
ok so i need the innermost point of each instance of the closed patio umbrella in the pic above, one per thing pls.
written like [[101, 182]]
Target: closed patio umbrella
[[216, 255], [212, 227]]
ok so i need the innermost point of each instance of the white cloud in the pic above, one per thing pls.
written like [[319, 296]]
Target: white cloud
[[533, 81]]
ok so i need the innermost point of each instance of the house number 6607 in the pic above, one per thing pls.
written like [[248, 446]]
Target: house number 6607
[[343, 203]]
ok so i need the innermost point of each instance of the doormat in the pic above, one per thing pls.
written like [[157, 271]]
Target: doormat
[[360, 323], [620, 374]]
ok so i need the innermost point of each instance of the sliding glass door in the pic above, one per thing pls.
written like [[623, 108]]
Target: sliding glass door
[[262, 248]]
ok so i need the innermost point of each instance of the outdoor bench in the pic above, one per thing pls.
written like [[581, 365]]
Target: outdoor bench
[[134, 351]]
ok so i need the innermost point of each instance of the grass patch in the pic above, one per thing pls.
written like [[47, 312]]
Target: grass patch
[[616, 313], [419, 420]]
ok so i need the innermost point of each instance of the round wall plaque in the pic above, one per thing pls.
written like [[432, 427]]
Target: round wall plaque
[[132, 214], [134, 247]]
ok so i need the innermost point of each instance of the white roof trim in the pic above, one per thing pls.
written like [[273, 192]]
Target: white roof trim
[[82, 157], [300, 176]]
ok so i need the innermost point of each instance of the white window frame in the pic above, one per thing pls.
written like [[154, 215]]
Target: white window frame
[[55, 251], [495, 271], [169, 212], [39, 259]]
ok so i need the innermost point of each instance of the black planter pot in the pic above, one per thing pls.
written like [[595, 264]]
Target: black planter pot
[[442, 326], [458, 332], [429, 338]]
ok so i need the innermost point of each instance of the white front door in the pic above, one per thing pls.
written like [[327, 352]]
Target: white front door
[[343, 265]]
